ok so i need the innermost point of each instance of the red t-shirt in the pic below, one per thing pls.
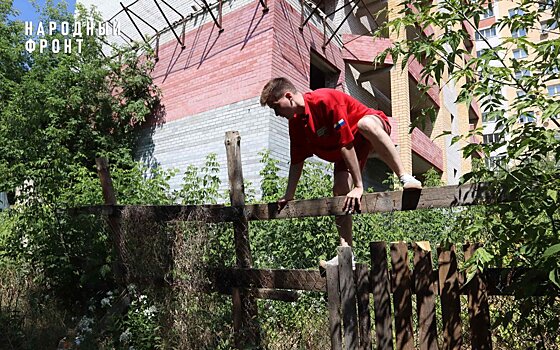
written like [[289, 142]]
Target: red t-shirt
[[330, 122]]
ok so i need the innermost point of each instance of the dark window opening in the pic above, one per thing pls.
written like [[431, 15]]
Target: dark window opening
[[322, 74]]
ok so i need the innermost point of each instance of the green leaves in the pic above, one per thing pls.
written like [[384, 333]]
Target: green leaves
[[555, 249]]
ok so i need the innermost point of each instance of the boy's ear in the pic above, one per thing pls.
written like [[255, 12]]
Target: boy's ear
[[288, 95]]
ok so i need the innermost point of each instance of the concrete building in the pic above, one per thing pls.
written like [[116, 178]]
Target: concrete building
[[491, 36], [213, 64]]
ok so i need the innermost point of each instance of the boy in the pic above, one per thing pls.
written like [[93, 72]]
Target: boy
[[337, 128]]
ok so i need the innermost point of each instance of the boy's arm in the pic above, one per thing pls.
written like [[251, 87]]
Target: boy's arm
[[293, 179], [353, 198]]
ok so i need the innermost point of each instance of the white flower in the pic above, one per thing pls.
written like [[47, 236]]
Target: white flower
[[150, 312], [105, 302], [125, 336], [24, 241], [84, 326]]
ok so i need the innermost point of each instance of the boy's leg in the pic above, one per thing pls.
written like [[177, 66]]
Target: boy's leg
[[372, 128], [341, 187]]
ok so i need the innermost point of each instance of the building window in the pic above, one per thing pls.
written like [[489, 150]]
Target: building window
[[492, 138], [554, 90], [546, 5], [522, 73], [528, 117], [322, 74], [516, 12], [519, 54], [488, 117], [480, 52], [488, 13], [521, 32], [495, 162], [486, 33], [547, 26]]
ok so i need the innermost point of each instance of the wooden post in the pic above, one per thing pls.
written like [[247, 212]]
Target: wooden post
[[110, 198], [402, 296], [244, 306], [348, 298], [479, 314], [364, 319], [333, 293], [450, 299], [381, 295], [425, 296]]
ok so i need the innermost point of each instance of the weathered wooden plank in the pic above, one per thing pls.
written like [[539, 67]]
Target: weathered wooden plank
[[244, 309], [425, 296], [273, 294], [348, 298], [402, 296], [450, 299], [364, 319], [381, 295], [479, 314], [333, 293], [437, 197], [500, 281], [309, 280]]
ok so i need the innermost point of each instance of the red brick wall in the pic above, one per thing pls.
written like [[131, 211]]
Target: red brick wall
[[216, 69], [292, 47], [363, 49], [426, 148]]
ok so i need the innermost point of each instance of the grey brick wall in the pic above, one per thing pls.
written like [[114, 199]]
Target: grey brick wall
[[190, 139]]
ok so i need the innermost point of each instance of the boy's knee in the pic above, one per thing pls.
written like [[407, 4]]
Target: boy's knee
[[370, 125]]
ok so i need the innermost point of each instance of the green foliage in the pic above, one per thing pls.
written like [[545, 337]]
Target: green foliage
[[524, 232], [201, 187], [67, 109]]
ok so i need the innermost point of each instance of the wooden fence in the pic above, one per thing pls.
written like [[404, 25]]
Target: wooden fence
[[348, 291]]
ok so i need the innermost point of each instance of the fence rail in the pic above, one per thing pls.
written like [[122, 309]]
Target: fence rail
[[438, 197], [393, 276]]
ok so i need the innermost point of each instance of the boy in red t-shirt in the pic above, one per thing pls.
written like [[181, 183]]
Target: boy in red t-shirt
[[337, 128]]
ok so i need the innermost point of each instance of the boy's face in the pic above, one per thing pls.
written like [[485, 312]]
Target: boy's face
[[284, 106]]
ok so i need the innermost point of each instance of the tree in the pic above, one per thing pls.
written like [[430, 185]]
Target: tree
[[58, 112], [525, 231]]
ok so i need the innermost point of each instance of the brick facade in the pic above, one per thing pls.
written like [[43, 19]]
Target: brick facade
[[213, 85]]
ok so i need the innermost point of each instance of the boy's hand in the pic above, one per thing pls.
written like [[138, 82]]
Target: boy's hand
[[282, 203], [353, 202]]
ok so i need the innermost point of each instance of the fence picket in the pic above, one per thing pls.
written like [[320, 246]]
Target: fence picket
[[450, 299], [381, 295], [348, 298], [364, 320], [333, 294], [479, 314], [425, 296], [402, 296]]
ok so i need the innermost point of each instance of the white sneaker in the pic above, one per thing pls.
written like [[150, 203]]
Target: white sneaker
[[410, 183], [334, 262]]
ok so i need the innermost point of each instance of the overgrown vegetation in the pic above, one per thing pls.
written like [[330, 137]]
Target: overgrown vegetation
[[525, 231], [56, 280]]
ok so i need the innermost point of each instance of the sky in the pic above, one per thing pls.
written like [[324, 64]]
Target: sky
[[28, 13]]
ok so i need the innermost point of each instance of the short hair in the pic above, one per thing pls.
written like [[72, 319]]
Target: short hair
[[275, 88]]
